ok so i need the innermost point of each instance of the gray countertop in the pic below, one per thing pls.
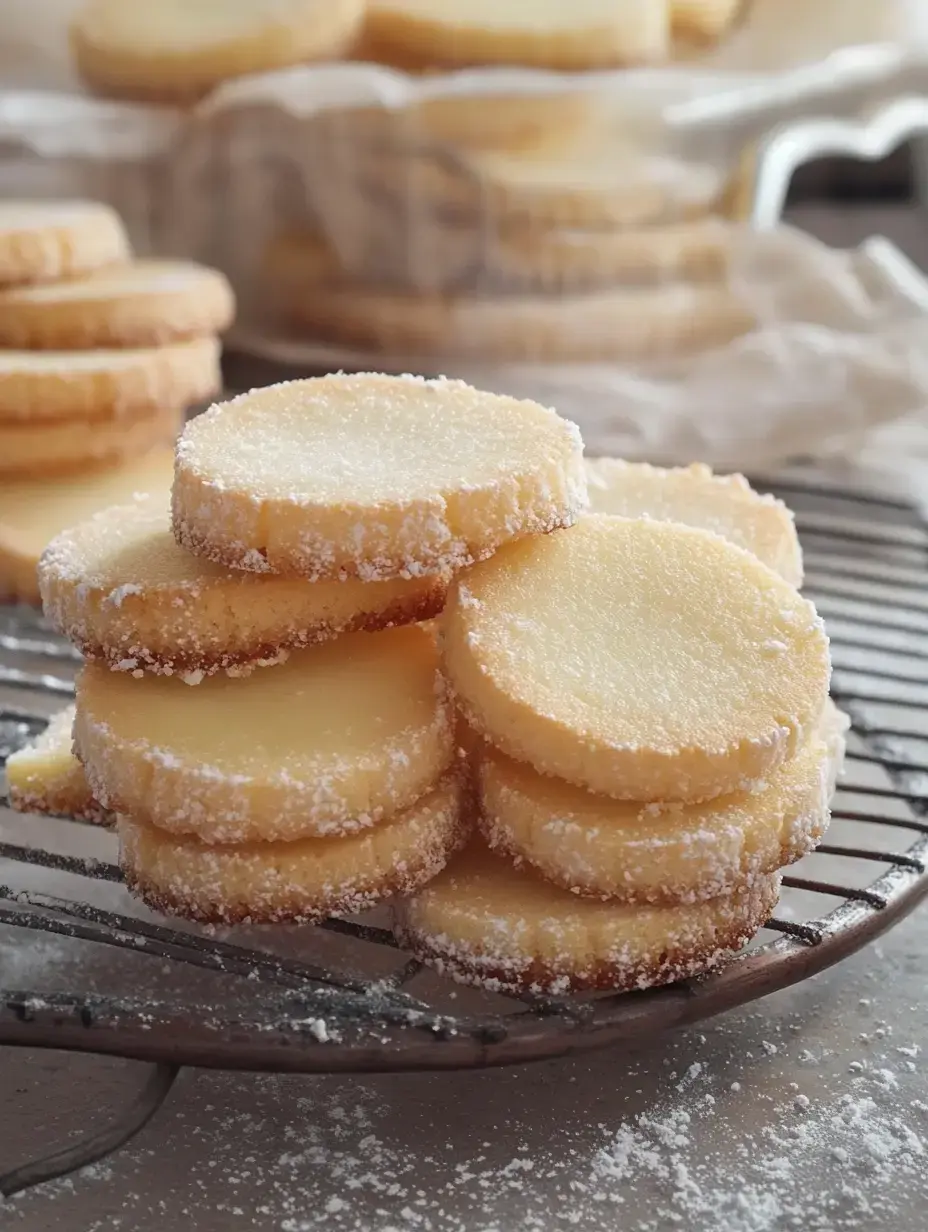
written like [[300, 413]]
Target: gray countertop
[[808, 1110]]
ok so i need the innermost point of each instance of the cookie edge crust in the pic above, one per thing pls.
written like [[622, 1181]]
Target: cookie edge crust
[[510, 975], [421, 864]]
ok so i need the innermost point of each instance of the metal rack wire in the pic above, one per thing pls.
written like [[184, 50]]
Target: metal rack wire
[[867, 565]]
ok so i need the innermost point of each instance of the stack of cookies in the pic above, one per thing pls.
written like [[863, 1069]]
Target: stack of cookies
[[657, 740], [587, 773], [315, 525], [102, 355]]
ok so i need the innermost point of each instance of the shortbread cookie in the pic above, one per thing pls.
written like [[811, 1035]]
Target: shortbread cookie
[[41, 241], [644, 660], [144, 304], [41, 387], [30, 450], [582, 35], [704, 21], [725, 504], [34, 511], [660, 853], [178, 50], [120, 588], [46, 777], [620, 325], [306, 879], [483, 922], [372, 477], [336, 739]]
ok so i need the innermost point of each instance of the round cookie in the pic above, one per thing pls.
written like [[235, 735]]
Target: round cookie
[[46, 777], [146, 303], [660, 853], [306, 879], [178, 50], [34, 511], [42, 241], [704, 21], [483, 922], [585, 34], [622, 325], [724, 504], [333, 741], [643, 660], [372, 476], [42, 387], [122, 590], [28, 450]]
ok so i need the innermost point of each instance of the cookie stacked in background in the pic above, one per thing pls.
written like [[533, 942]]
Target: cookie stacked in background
[[100, 355], [262, 707], [655, 739]]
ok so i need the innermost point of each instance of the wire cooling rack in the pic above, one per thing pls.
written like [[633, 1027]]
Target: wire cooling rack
[[83, 967]]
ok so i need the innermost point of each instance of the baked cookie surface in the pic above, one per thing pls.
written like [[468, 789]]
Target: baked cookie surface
[[41, 241], [46, 777]]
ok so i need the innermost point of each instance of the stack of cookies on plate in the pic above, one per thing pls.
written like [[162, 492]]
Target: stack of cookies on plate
[[587, 772], [101, 356], [657, 739]]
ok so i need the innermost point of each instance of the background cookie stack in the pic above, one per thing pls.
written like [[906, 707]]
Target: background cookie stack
[[102, 356], [330, 777], [658, 741]]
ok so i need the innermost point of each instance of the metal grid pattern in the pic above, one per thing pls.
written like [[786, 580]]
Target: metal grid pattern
[[363, 1006]]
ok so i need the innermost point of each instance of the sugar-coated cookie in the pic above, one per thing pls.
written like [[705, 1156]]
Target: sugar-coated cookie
[[122, 590], [483, 922], [305, 879], [34, 511], [32, 450], [46, 777], [724, 504], [584, 34], [41, 387], [660, 853], [338, 738], [41, 241], [644, 660], [372, 477], [146, 303], [178, 50]]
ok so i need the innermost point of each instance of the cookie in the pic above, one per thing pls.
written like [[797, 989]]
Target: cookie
[[585, 34], [592, 185], [42, 241], [303, 880], [660, 853], [704, 21], [29, 450], [483, 922], [176, 51], [373, 477], [338, 738], [724, 504], [44, 387], [145, 304], [46, 777], [119, 587], [644, 660], [617, 325], [34, 511]]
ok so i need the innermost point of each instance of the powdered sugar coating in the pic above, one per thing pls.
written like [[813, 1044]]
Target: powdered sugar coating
[[660, 853], [483, 922], [46, 777], [306, 879], [724, 504], [625, 656], [373, 477], [122, 590], [340, 737]]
